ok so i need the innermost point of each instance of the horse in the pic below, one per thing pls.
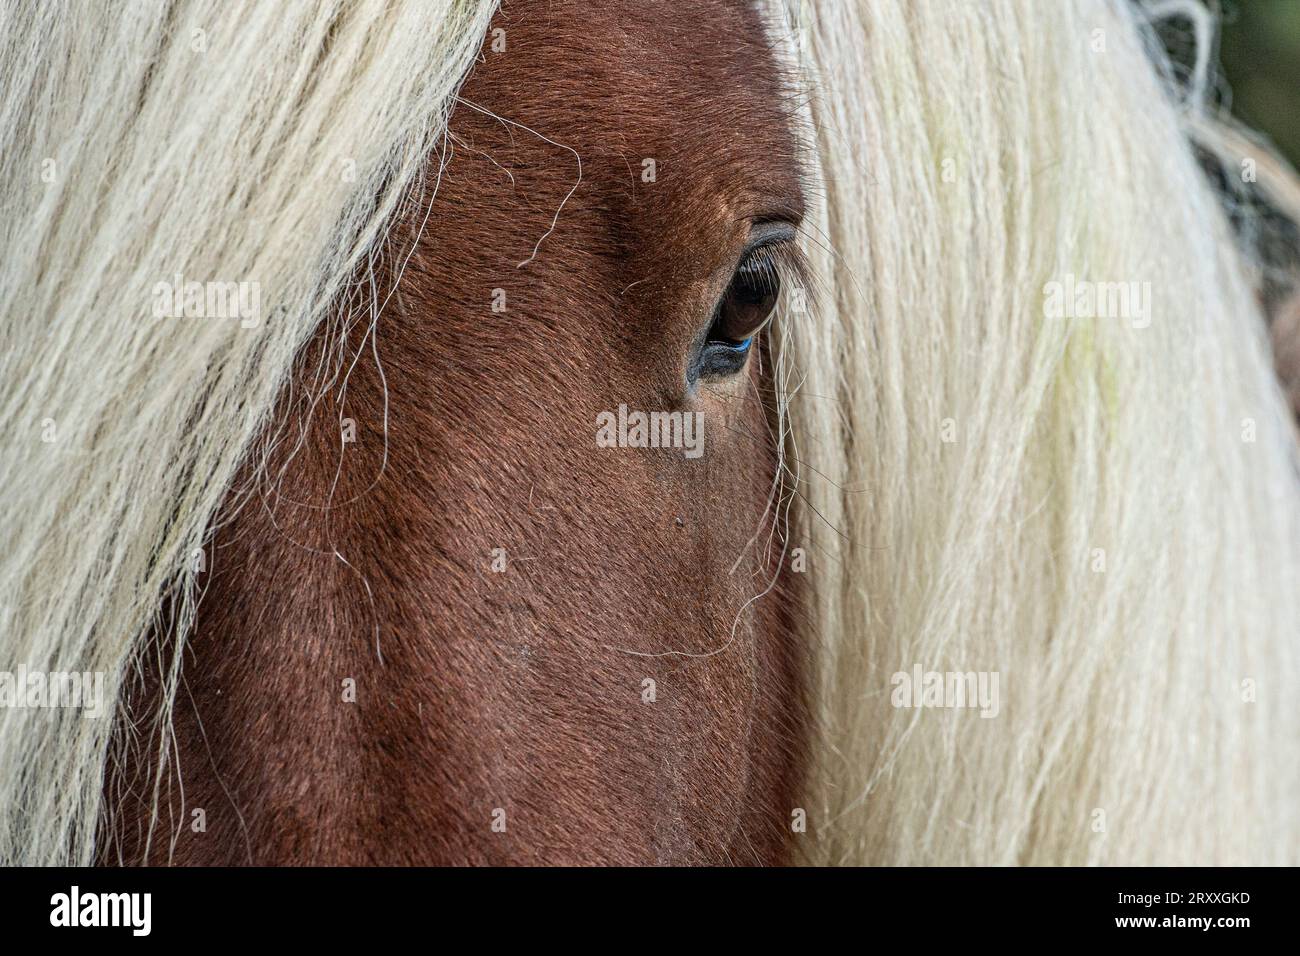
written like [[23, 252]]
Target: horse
[[728, 432]]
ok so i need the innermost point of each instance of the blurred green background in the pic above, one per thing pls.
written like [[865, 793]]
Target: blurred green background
[[1260, 59]]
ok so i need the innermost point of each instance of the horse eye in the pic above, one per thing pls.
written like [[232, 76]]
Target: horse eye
[[748, 303]]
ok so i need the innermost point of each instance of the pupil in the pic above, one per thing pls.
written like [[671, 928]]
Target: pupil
[[748, 303]]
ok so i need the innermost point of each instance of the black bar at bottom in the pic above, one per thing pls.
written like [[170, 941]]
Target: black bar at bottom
[[657, 907]]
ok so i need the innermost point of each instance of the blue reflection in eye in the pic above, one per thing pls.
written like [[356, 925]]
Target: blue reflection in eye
[[740, 346]]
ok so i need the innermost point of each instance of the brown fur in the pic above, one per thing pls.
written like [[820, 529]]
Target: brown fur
[[479, 690]]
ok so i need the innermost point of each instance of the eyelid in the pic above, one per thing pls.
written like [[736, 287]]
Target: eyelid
[[767, 233]]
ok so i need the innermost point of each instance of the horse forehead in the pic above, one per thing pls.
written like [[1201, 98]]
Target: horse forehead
[[686, 95]]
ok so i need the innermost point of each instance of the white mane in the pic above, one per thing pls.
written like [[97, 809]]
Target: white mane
[[266, 143], [1103, 511]]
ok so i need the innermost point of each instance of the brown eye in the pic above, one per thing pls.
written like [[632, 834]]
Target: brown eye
[[749, 301]]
